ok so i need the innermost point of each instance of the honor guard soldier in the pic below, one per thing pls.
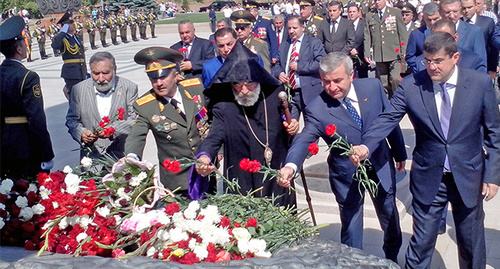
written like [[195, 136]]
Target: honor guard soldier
[[41, 37], [113, 27], [174, 113], [312, 21], [132, 22], [102, 25], [26, 147], [142, 20], [243, 24], [53, 31], [151, 20], [74, 68], [91, 27], [79, 28], [263, 28], [122, 23], [27, 39]]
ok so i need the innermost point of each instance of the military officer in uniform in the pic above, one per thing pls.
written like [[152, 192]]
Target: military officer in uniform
[[91, 26], [113, 27], [386, 34], [26, 147], [102, 24], [39, 33], [151, 20], [243, 26], [74, 68], [79, 28], [263, 28], [174, 113], [142, 20], [53, 31], [132, 22], [312, 21], [122, 23]]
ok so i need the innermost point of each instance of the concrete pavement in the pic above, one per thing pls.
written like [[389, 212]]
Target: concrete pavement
[[67, 153]]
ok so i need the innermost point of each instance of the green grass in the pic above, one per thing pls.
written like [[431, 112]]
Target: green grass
[[193, 17]]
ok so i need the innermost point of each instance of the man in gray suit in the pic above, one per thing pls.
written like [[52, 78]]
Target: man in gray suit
[[92, 99], [336, 33]]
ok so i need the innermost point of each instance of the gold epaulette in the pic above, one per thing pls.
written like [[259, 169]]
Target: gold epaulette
[[266, 18], [319, 18], [145, 99], [190, 82]]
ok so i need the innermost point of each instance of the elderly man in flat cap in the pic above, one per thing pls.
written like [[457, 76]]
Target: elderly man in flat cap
[[74, 68], [26, 147], [248, 121], [175, 114]]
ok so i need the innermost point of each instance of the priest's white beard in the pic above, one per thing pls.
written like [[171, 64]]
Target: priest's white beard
[[248, 99]]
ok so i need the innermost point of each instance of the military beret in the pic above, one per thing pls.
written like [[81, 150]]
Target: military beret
[[242, 17], [307, 3], [158, 61], [66, 18], [12, 29]]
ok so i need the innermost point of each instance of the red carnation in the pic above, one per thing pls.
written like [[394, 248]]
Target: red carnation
[[253, 166], [402, 44], [172, 166], [102, 124], [109, 131], [106, 119], [397, 50], [225, 222], [172, 208], [244, 164], [331, 129], [183, 50], [252, 222], [313, 148], [21, 186], [121, 113]]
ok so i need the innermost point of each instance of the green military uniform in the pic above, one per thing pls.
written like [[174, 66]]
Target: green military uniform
[[113, 28], [151, 19], [39, 33], [122, 22], [79, 31], [102, 25], [312, 25], [52, 32], [91, 26], [143, 23], [174, 136], [259, 46], [387, 37], [132, 22]]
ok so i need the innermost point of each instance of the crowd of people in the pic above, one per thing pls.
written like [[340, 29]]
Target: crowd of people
[[217, 100]]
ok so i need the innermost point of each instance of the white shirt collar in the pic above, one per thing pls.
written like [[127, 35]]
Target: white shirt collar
[[454, 77], [351, 95]]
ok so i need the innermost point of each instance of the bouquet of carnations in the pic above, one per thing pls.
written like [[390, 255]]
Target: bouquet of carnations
[[105, 123]]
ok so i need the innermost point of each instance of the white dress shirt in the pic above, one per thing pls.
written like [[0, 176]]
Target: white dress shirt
[[438, 91], [104, 101]]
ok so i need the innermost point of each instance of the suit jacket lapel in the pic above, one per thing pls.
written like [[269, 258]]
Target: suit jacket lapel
[[363, 105], [339, 112], [116, 98], [91, 95], [427, 91], [462, 90]]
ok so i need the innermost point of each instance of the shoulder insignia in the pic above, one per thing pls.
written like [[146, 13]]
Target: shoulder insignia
[[145, 99], [190, 82], [37, 93], [319, 18], [266, 18], [188, 95], [259, 40]]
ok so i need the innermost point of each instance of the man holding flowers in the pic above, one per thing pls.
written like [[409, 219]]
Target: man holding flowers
[[100, 113], [348, 108]]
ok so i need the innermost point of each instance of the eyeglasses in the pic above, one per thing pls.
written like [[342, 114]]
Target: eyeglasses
[[239, 85], [435, 63]]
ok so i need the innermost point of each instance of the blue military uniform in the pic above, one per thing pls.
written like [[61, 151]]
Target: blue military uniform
[[262, 27]]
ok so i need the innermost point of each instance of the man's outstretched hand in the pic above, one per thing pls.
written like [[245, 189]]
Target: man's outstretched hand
[[360, 153]]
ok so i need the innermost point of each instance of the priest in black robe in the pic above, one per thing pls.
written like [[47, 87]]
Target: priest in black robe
[[248, 119]]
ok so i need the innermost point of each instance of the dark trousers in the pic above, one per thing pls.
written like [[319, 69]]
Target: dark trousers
[[92, 39], [152, 27], [298, 102], [388, 73], [123, 33], [41, 47], [469, 226], [212, 25], [102, 34]]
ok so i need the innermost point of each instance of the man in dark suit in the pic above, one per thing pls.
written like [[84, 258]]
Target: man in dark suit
[[487, 25], [298, 63], [336, 33], [454, 114], [280, 28], [470, 37], [196, 50], [74, 68], [26, 146], [92, 99], [366, 98], [415, 44], [213, 19], [262, 27], [358, 51], [174, 113]]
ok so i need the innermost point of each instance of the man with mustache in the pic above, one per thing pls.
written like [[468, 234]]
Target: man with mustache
[[92, 99]]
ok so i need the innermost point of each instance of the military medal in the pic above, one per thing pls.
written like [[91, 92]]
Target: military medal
[[155, 118], [173, 126], [166, 126], [159, 127]]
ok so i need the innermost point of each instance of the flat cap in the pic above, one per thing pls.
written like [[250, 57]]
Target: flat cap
[[66, 18], [242, 17], [307, 3], [158, 61], [12, 29]]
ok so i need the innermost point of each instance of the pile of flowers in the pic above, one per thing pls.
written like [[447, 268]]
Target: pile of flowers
[[20, 214]]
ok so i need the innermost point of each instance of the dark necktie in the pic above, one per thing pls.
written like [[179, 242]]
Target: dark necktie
[[445, 117], [293, 58], [278, 34], [380, 14], [352, 111], [333, 27], [175, 104]]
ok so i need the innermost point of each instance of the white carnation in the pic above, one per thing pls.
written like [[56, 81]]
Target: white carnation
[[2, 206], [72, 183], [151, 251], [177, 235], [201, 252], [63, 223], [194, 205], [103, 211], [84, 221], [6, 186], [26, 214], [221, 236], [211, 214], [241, 234], [86, 162], [190, 214], [38, 209], [21, 202], [193, 226], [117, 218], [163, 235], [81, 236], [192, 243], [44, 192], [67, 170], [55, 204], [243, 246], [257, 245], [32, 188]]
